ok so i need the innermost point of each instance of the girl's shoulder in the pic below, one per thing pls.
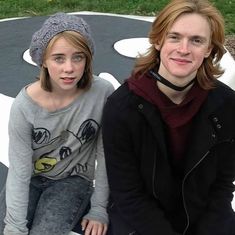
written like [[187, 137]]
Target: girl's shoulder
[[34, 91], [39, 96], [31, 96], [100, 84]]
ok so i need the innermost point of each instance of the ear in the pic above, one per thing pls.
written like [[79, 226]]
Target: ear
[[208, 52], [44, 65], [157, 46]]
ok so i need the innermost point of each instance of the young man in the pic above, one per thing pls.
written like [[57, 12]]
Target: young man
[[169, 131]]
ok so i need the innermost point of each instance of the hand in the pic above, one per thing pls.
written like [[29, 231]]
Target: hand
[[92, 227]]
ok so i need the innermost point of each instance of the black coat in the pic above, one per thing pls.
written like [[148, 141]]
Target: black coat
[[142, 184]]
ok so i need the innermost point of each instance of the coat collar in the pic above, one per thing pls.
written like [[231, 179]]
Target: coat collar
[[211, 126]]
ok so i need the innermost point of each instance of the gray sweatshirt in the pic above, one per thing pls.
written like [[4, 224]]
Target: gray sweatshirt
[[56, 145]]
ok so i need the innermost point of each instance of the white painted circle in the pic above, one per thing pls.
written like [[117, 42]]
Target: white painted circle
[[132, 47], [27, 58]]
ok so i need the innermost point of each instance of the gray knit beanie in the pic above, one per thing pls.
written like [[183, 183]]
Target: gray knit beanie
[[57, 23]]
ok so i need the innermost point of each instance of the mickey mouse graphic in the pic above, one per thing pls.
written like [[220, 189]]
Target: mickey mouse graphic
[[48, 156]]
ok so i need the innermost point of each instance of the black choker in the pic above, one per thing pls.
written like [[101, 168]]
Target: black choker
[[169, 84]]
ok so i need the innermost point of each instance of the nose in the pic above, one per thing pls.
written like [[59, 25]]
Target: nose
[[68, 66], [183, 47]]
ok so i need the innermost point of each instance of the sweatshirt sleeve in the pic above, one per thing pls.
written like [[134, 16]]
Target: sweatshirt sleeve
[[19, 173], [99, 198]]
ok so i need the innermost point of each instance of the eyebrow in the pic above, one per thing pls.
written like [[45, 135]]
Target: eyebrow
[[204, 39], [61, 54]]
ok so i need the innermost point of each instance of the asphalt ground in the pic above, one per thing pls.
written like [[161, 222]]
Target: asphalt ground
[[106, 30]]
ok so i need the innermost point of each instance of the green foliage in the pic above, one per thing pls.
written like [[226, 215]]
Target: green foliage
[[227, 8], [18, 8]]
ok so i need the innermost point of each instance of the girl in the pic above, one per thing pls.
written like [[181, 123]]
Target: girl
[[55, 137]]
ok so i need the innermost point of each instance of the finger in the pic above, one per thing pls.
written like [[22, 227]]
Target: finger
[[89, 229], [101, 229], [105, 229], [95, 229], [84, 224]]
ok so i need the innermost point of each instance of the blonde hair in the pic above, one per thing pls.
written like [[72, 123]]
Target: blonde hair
[[77, 41], [210, 69]]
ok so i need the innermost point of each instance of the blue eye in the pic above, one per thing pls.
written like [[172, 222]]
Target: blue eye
[[173, 37], [197, 41], [59, 59], [78, 58]]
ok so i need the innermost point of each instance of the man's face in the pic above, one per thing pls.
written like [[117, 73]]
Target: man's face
[[186, 45]]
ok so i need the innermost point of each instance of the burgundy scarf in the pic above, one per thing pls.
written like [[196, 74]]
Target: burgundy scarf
[[178, 117]]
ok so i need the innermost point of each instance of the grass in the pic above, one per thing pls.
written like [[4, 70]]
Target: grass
[[19, 8]]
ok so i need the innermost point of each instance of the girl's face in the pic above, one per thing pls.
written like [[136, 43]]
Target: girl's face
[[65, 64], [186, 45]]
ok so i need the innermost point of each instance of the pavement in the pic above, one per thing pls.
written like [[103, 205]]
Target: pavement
[[119, 39]]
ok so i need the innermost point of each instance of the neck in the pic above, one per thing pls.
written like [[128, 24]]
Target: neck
[[61, 99], [175, 93], [61, 93], [169, 84], [175, 96]]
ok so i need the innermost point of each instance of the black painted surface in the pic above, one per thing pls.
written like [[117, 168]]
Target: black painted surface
[[106, 30], [3, 175]]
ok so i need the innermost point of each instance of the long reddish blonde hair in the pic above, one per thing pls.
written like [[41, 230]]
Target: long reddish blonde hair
[[210, 69]]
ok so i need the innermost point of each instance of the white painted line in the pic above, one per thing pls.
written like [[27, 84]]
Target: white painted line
[[228, 64], [5, 104], [132, 47], [109, 77], [73, 233], [27, 57], [134, 17]]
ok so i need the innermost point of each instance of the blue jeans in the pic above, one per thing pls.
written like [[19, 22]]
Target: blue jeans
[[55, 206]]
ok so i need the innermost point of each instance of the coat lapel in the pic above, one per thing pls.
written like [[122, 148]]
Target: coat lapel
[[203, 137], [210, 127]]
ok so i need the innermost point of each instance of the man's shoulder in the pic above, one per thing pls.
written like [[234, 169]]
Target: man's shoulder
[[121, 96]]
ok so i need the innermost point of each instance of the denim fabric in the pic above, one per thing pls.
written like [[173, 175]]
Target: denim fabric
[[56, 206]]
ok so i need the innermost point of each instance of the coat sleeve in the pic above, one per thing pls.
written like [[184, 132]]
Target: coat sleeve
[[140, 210], [219, 217]]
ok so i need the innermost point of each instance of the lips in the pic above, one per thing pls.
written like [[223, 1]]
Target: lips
[[68, 78], [181, 61]]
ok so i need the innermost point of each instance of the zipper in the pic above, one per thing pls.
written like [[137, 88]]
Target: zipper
[[153, 175], [183, 183], [231, 140], [184, 203]]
